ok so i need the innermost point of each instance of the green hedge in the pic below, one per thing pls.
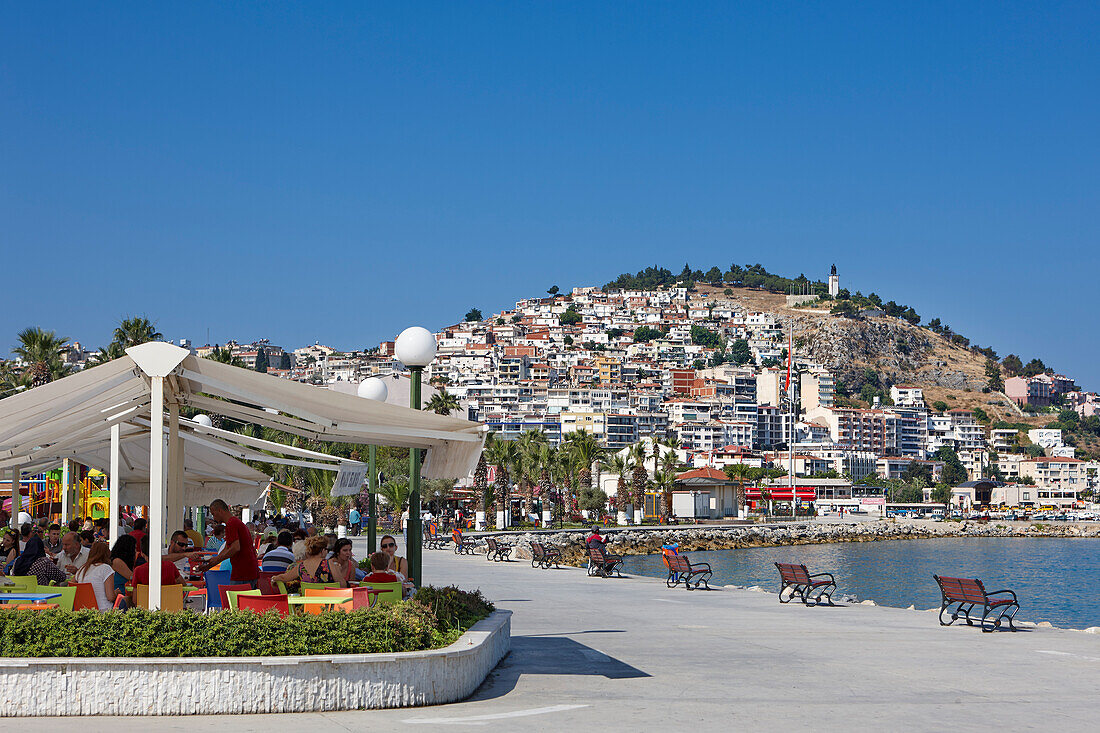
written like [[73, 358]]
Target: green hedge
[[401, 627]]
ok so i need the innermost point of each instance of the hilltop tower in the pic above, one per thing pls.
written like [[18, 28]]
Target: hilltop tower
[[834, 282]]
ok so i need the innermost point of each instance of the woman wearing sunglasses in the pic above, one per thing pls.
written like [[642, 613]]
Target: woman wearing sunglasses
[[398, 564]]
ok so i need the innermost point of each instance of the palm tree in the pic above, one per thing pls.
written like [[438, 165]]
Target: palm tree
[[638, 480], [135, 331], [546, 455], [619, 465], [669, 464], [481, 485], [112, 352], [41, 352], [664, 479], [738, 472], [501, 454], [527, 465], [586, 450], [442, 403], [396, 492]]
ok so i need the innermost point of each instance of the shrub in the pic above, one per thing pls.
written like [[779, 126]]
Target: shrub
[[398, 627], [454, 608]]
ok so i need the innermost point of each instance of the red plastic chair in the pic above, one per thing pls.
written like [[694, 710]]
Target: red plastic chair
[[225, 597], [85, 597], [261, 604], [264, 582]]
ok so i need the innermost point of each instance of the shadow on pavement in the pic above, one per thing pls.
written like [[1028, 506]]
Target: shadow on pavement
[[550, 655]]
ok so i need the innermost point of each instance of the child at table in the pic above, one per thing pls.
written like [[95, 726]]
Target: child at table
[[379, 561]]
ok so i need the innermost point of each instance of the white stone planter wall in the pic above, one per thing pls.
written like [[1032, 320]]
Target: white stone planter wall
[[237, 685]]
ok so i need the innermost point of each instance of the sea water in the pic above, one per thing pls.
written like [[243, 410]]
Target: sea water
[[1055, 579]]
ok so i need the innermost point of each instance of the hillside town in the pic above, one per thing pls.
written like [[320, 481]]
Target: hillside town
[[711, 379]]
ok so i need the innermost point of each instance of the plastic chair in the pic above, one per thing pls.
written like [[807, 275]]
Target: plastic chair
[[338, 592], [361, 598], [214, 579], [223, 591], [392, 594], [264, 603], [264, 582], [318, 586], [22, 583], [171, 597], [37, 607], [280, 588], [234, 596], [67, 599], [84, 597]]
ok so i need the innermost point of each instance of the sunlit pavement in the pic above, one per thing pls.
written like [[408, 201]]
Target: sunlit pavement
[[631, 654]]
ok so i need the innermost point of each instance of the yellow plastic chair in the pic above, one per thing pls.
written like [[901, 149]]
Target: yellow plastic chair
[[232, 596], [171, 597], [392, 594]]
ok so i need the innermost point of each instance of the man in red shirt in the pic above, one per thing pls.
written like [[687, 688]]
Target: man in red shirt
[[169, 573], [238, 547]]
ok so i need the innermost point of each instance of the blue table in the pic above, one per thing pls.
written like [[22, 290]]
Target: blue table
[[29, 596]]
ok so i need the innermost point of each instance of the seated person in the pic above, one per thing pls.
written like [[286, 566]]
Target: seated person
[[34, 561], [280, 557], [169, 573], [597, 542], [314, 568], [379, 562]]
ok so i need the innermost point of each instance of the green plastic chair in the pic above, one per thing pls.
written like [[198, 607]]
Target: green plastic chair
[[282, 587], [392, 596], [318, 586], [68, 595], [233, 594], [20, 584]]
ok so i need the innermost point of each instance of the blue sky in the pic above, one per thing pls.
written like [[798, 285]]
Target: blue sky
[[335, 173]]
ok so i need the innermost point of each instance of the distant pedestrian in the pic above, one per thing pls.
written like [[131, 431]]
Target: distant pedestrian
[[355, 521]]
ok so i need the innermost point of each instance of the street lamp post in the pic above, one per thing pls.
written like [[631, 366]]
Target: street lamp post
[[375, 389], [415, 348]]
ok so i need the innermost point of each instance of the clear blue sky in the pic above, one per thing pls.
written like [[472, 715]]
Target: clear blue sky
[[304, 172]]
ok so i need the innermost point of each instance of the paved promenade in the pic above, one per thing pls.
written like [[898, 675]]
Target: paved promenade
[[630, 654]]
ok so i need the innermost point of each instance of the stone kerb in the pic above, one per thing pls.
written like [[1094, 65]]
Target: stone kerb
[[239, 685]]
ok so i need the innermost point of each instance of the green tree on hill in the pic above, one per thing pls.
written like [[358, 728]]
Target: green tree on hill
[[1012, 364], [993, 376], [474, 314], [571, 317], [954, 473]]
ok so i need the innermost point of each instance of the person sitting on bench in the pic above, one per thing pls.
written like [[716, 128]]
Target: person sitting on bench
[[598, 542]]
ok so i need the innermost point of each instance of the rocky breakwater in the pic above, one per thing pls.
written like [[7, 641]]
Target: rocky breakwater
[[649, 541]]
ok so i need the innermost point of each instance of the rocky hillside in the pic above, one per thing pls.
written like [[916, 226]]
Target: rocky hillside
[[893, 349]]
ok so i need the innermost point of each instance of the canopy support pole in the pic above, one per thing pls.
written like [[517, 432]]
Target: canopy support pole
[[16, 496], [66, 496], [372, 489], [413, 546], [175, 470], [115, 487], [157, 470]]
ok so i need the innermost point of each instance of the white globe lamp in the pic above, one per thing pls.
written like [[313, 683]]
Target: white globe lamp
[[415, 347], [204, 420], [373, 388]]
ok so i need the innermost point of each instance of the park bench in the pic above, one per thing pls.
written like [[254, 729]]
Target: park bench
[[967, 594], [543, 555], [682, 570], [810, 588], [462, 547], [496, 551], [603, 564]]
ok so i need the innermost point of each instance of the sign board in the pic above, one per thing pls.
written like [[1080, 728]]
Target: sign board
[[350, 479], [872, 501]]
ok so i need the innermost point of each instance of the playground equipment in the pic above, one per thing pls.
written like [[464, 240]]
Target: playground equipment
[[42, 494]]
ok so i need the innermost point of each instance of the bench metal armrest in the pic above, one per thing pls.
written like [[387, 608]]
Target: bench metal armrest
[[700, 566], [823, 575], [995, 592]]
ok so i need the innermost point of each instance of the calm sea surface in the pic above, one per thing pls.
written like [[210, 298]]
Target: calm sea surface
[[1054, 579]]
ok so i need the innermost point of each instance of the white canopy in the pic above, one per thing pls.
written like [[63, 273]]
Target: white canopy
[[100, 415], [76, 411]]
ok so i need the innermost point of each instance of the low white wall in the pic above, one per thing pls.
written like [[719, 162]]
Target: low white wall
[[220, 685]]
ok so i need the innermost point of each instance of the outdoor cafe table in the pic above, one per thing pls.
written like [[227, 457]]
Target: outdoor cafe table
[[30, 596]]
